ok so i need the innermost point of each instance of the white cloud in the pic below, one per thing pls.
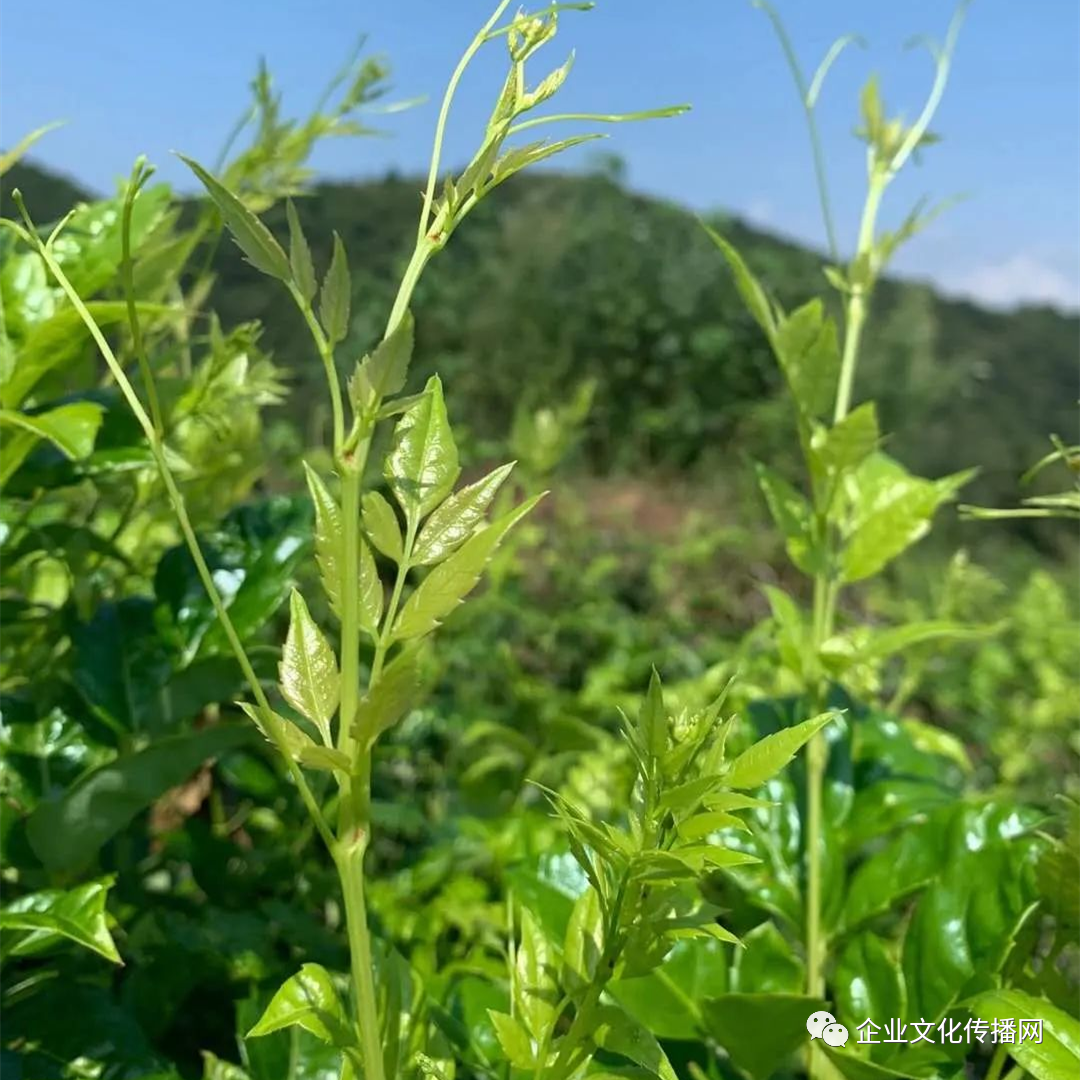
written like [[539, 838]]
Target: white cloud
[[761, 213], [1021, 279]]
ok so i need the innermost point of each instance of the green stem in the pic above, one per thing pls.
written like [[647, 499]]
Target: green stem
[[138, 177], [859, 298], [997, 1062], [350, 865], [444, 113], [326, 354]]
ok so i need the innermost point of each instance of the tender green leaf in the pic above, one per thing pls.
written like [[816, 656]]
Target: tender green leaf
[[1057, 1055], [422, 465], [452, 523], [653, 719], [77, 914], [793, 517], [847, 444], [768, 756], [71, 428], [853, 1067], [750, 289], [383, 373], [395, 692], [307, 1000], [335, 296], [371, 591], [254, 238], [10, 157], [451, 581], [297, 743], [521, 157], [329, 541], [60, 340], [308, 670], [584, 940], [216, 1069], [619, 1033], [533, 983], [884, 643], [806, 346], [759, 1031], [514, 1040], [67, 833], [889, 510], [303, 269], [381, 525]]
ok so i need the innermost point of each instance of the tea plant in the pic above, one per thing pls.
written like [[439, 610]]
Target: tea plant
[[439, 528], [862, 510]]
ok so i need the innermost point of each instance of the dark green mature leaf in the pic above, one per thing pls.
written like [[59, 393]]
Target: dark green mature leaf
[[68, 832], [75, 1021], [308, 1000], [308, 671], [768, 756], [965, 924], [381, 525], [1056, 1056], [422, 465], [383, 373], [121, 667], [254, 238], [868, 981], [254, 556], [329, 544], [303, 269], [452, 523], [335, 297], [77, 914], [766, 963], [451, 581], [395, 692], [759, 1031], [619, 1033], [667, 1000]]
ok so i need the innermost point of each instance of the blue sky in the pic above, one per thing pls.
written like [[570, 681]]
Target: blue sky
[[135, 77]]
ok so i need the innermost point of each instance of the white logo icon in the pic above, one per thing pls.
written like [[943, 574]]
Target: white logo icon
[[835, 1035], [823, 1025]]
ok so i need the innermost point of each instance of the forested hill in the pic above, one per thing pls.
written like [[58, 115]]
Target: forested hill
[[558, 278]]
